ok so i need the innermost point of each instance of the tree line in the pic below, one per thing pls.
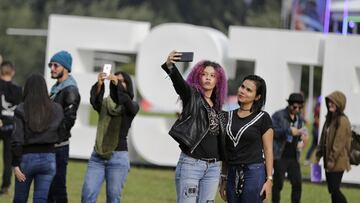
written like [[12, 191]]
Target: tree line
[[28, 52]]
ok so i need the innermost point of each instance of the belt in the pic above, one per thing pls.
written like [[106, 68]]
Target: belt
[[209, 160]]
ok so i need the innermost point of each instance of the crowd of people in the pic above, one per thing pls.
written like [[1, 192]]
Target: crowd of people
[[245, 154]]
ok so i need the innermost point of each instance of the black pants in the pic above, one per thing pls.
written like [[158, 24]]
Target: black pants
[[333, 180], [57, 192], [292, 167], [7, 172]]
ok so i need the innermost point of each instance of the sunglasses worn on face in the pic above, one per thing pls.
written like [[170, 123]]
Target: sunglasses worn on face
[[50, 65], [297, 107]]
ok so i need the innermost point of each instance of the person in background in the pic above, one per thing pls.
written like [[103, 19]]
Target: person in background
[[66, 93], [110, 158], [10, 96], [289, 133], [315, 132], [334, 145], [247, 173], [198, 130], [38, 122]]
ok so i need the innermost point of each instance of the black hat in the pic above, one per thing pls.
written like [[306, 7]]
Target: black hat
[[296, 98]]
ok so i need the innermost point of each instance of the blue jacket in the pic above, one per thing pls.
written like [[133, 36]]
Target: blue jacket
[[281, 125]]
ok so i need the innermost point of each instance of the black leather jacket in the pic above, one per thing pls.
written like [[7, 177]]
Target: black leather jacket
[[69, 99], [193, 123]]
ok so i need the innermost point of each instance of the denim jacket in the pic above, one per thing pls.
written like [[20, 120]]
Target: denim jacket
[[281, 123]]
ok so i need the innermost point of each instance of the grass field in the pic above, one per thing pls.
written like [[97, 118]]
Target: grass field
[[149, 185]]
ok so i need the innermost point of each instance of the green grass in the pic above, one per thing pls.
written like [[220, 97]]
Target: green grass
[[149, 185]]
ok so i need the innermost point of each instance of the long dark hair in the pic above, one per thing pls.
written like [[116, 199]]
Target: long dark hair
[[129, 85], [260, 90], [37, 104]]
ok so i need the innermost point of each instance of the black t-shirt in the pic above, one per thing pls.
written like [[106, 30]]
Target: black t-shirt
[[290, 148], [244, 137], [208, 147]]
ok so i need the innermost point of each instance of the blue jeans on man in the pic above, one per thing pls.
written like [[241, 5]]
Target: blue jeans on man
[[254, 179], [57, 191], [196, 180], [114, 171], [39, 167]]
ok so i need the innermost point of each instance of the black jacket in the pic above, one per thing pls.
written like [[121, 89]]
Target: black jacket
[[23, 140], [193, 123], [69, 99], [10, 96]]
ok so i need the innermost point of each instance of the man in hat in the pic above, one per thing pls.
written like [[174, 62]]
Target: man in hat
[[10, 96], [289, 133], [66, 93]]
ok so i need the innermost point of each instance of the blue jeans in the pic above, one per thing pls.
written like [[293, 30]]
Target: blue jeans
[[114, 171], [254, 179], [196, 180], [57, 191], [38, 166]]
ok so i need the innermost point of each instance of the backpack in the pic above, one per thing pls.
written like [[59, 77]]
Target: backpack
[[355, 148]]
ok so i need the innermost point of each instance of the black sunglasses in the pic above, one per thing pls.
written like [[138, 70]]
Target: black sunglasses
[[297, 106], [56, 65]]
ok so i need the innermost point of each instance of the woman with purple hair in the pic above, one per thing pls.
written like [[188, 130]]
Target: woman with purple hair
[[198, 130]]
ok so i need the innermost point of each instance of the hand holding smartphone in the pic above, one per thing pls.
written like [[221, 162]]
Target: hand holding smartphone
[[186, 56], [107, 69]]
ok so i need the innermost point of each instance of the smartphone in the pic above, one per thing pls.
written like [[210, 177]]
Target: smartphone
[[107, 69], [186, 56]]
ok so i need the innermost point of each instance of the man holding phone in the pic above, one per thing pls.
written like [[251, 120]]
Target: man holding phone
[[66, 93]]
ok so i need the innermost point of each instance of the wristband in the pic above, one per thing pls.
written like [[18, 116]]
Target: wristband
[[269, 178]]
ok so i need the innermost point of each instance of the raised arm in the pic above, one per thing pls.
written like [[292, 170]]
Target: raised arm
[[180, 85], [97, 92], [123, 98]]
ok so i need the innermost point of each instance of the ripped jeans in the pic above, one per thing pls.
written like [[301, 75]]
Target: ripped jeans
[[196, 180]]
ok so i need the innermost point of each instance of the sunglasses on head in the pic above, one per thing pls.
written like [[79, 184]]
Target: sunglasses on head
[[56, 65]]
